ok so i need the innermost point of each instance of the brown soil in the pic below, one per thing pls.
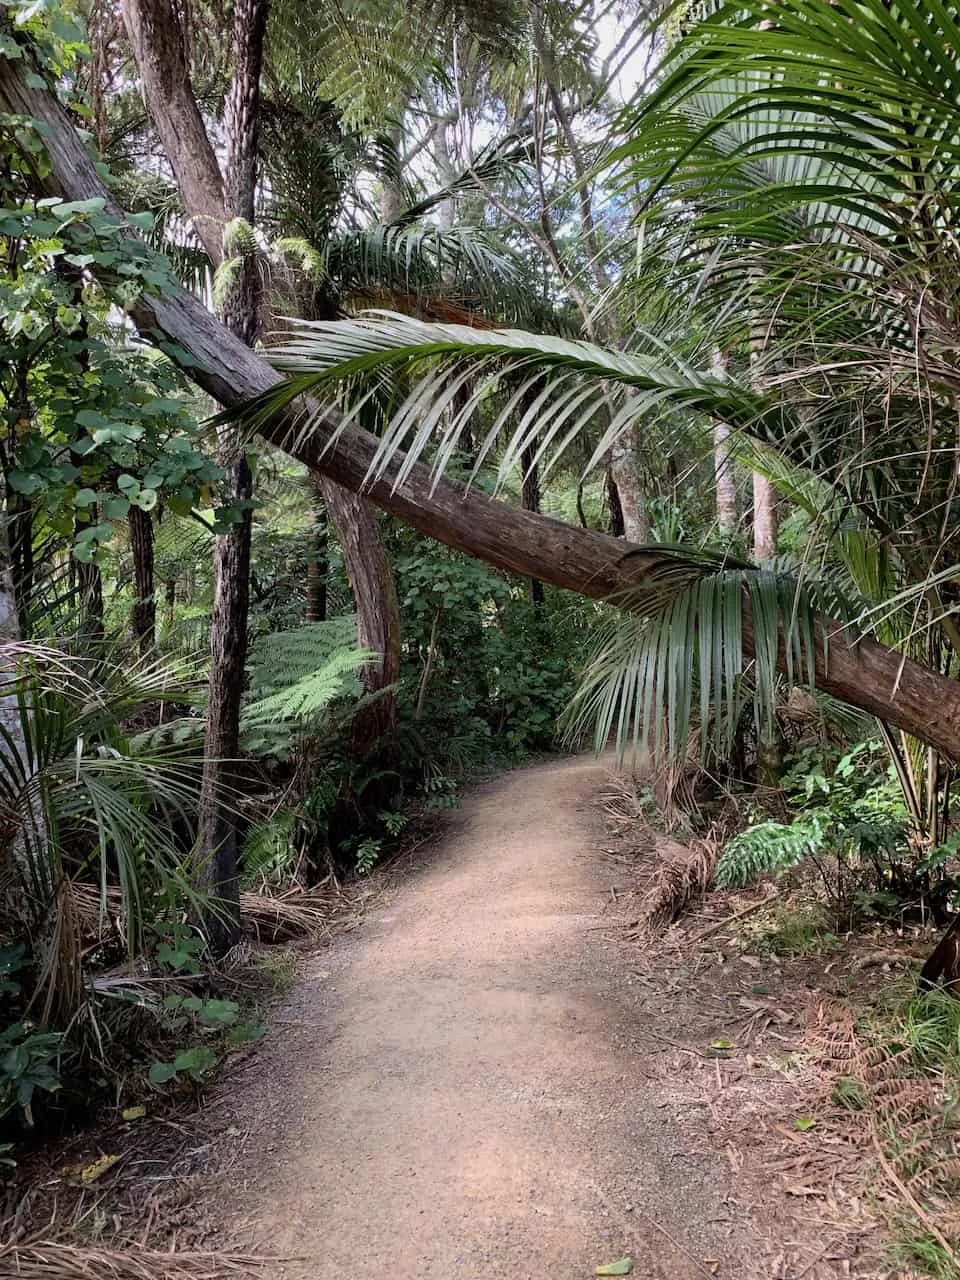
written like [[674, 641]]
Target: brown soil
[[486, 1081]]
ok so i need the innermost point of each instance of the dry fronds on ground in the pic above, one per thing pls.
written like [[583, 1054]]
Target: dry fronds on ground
[[283, 916], [903, 1118], [54, 1260], [681, 874], [294, 913]]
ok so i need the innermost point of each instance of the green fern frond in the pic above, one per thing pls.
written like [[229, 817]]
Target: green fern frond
[[295, 675], [765, 849], [279, 659], [224, 279], [239, 239], [311, 694], [268, 848], [310, 260]]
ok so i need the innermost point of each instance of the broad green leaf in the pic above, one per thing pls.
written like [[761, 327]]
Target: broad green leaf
[[161, 1072], [623, 1267]]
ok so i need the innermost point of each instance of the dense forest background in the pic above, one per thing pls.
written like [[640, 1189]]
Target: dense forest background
[[392, 394]]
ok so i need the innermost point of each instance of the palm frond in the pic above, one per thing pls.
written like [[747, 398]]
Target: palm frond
[[565, 385], [673, 660]]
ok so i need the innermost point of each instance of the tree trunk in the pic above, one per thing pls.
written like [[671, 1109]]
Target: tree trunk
[[880, 681], [217, 828], [317, 553], [625, 475], [764, 519], [728, 518], [89, 593], [390, 192], [143, 617], [19, 508], [530, 499], [764, 494], [156, 36], [614, 509], [169, 604], [378, 610]]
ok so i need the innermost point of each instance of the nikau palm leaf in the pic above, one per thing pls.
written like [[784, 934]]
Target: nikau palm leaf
[[562, 384], [671, 664]]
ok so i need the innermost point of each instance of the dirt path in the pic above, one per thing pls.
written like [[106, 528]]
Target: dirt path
[[457, 1090]]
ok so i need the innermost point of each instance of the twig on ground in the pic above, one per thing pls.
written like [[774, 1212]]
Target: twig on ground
[[727, 920]]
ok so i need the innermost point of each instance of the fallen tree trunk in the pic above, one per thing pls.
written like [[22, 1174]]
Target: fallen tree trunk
[[864, 674]]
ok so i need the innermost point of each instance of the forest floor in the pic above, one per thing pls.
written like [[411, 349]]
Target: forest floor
[[488, 1080]]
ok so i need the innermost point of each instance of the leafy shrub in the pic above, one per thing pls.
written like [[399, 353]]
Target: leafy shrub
[[28, 1059], [851, 822]]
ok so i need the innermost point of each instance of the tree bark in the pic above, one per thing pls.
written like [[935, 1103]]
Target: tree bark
[[865, 674], [317, 553], [368, 568], [156, 36], [764, 519], [143, 617], [726, 487], [378, 610], [530, 500], [614, 509], [217, 829], [625, 475], [89, 593]]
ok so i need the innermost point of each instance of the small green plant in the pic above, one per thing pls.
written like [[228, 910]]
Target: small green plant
[[849, 1093], [279, 966], [218, 1019], [394, 823], [28, 1062], [368, 854], [793, 931], [179, 948]]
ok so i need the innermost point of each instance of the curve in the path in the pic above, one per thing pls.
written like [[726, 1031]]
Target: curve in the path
[[447, 1094]]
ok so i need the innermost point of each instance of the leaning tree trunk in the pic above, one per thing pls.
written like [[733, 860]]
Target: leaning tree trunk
[[863, 673], [143, 616]]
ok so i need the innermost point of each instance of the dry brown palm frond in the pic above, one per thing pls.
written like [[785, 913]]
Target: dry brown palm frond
[[57, 1260], [296, 913], [279, 917], [683, 871]]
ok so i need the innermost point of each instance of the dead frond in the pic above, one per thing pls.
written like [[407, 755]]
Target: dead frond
[[897, 1109], [683, 872], [293, 914], [57, 1260]]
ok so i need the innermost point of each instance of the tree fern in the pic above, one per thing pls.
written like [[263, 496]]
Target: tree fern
[[307, 697], [295, 676]]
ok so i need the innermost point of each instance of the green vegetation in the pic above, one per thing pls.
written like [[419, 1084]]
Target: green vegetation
[[531, 408]]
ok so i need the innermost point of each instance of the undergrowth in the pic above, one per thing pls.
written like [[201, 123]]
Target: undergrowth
[[895, 1075]]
